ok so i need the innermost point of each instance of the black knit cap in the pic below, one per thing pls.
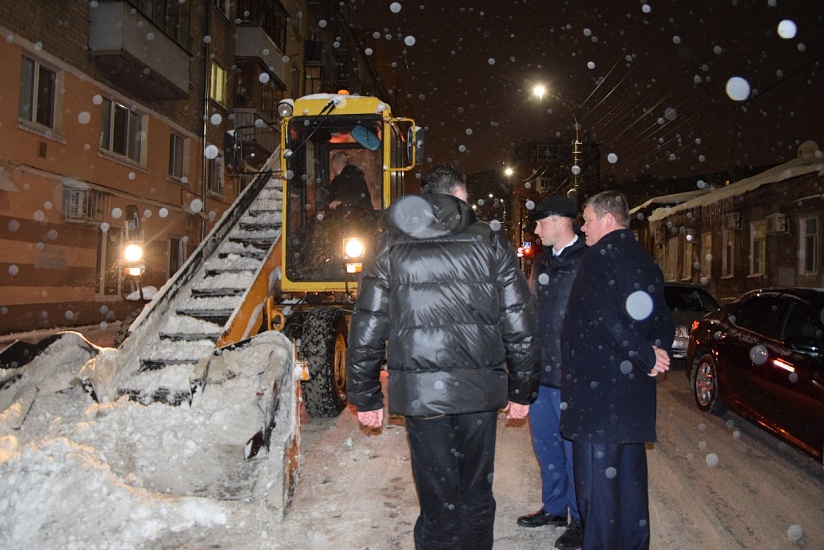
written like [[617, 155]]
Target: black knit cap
[[554, 206]]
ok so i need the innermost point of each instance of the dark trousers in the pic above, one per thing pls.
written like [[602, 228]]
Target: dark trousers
[[611, 483], [554, 454], [453, 459]]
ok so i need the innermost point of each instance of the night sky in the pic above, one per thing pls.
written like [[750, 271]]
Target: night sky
[[647, 79]]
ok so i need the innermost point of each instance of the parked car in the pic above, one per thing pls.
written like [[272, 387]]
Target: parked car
[[761, 357], [688, 303]]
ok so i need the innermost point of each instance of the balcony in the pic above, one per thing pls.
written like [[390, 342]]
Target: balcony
[[253, 42], [136, 54]]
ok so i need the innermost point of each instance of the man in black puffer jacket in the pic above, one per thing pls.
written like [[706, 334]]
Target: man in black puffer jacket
[[446, 293]]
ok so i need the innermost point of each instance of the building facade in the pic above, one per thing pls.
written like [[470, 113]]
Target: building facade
[[139, 121], [762, 231]]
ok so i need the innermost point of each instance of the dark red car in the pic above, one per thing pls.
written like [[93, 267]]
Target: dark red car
[[761, 357]]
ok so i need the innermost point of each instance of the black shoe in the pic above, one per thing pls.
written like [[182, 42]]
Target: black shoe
[[573, 537], [541, 518]]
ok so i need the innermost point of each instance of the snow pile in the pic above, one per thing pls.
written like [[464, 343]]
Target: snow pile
[[61, 494], [80, 474]]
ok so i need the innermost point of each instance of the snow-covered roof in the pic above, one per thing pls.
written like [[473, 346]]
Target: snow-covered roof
[[794, 168], [675, 198]]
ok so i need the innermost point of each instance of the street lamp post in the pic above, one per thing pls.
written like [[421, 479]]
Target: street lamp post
[[540, 91]]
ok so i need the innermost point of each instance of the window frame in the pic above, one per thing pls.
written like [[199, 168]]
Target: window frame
[[131, 140], [706, 255], [214, 175], [808, 246], [727, 253], [33, 92], [218, 84], [758, 248], [178, 157]]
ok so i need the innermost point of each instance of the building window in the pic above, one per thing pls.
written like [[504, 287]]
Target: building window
[[758, 248], [727, 252], [122, 131], [706, 255], [546, 153], [224, 7], [177, 156], [671, 267], [295, 77], [686, 261], [214, 175], [172, 16], [808, 255], [177, 254], [37, 93], [217, 87]]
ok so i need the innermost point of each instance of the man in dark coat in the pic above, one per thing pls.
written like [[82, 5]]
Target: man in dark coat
[[617, 337], [551, 280], [446, 293]]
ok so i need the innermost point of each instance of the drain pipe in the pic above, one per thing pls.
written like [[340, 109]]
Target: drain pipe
[[207, 77]]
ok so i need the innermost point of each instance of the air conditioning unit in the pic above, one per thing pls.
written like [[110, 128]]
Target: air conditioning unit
[[731, 221], [777, 224]]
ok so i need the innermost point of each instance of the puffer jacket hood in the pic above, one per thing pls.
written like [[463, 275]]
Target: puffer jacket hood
[[444, 302], [430, 215]]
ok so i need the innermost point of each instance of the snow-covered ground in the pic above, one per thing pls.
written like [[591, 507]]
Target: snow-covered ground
[[121, 475]]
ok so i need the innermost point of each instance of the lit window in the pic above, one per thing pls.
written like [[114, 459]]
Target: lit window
[[37, 93], [758, 248], [217, 88]]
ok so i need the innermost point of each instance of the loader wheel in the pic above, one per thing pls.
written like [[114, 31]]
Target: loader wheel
[[323, 346]]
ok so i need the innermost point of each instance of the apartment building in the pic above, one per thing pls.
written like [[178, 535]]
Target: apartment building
[[132, 121]]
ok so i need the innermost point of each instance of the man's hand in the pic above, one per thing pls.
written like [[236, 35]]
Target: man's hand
[[516, 411], [334, 204], [371, 419], [662, 362]]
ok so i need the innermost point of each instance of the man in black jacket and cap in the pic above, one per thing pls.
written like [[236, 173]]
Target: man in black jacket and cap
[[444, 290], [551, 280], [617, 337]]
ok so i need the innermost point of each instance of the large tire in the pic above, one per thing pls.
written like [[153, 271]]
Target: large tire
[[323, 346], [705, 386]]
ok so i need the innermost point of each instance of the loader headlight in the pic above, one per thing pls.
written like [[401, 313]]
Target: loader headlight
[[132, 253], [285, 108], [353, 250]]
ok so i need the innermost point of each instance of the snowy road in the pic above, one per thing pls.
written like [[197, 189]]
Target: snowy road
[[715, 483]]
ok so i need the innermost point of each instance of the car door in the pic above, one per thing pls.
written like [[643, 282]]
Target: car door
[[792, 379], [744, 347]]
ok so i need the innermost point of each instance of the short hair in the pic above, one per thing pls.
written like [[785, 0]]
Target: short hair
[[610, 202], [443, 179]]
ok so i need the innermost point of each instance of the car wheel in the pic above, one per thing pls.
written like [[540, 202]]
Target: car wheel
[[705, 387]]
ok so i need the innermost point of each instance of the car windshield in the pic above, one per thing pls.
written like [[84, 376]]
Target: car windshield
[[689, 298]]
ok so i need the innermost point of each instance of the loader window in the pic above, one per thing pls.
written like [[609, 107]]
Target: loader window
[[335, 192]]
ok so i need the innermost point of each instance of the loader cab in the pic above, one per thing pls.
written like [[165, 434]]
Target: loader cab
[[344, 162]]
